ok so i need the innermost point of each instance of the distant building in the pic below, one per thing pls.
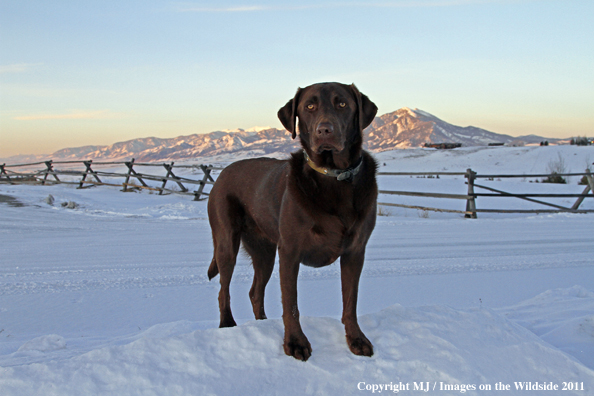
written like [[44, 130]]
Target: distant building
[[443, 146]]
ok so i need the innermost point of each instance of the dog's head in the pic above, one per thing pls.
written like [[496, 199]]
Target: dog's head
[[331, 116]]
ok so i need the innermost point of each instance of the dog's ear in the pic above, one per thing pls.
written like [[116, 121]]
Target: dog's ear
[[288, 114], [367, 109]]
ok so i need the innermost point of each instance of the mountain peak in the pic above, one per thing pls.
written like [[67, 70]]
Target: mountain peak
[[406, 111], [415, 113]]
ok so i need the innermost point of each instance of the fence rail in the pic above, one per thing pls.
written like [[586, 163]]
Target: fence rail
[[90, 177]]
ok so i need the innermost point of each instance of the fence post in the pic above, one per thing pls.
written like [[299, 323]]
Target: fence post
[[3, 172], [590, 180], [132, 173], [589, 187], [129, 164], [50, 169], [169, 168], [470, 203], [89, 170], [206, 178]]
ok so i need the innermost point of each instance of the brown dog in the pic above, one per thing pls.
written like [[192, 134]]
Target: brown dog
[[315, 207]]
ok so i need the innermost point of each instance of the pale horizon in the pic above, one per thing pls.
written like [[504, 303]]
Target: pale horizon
[[83, 74]]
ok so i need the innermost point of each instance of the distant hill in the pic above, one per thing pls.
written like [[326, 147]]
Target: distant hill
[[407, 128], [264, 142], [404, 128]]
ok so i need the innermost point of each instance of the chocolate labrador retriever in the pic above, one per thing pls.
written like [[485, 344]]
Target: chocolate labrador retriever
[[315, 207]]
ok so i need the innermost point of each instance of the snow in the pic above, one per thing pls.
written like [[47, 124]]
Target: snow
[[563, 317], [423, 113], [255, 129], [410, 112], [258, 128], [112, 297], [439, 344], [415, 113], [46, 343]]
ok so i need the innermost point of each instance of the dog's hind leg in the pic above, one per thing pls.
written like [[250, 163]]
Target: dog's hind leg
[[226, 219], [262, 253], [225, 257]]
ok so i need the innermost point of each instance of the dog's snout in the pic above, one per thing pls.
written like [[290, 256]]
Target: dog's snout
[[325, 129]]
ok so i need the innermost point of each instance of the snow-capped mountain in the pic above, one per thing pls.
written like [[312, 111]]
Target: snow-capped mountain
[[403, 128], [407, 127], [265, 142]]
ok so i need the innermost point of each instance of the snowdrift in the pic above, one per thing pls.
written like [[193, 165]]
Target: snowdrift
[[438, 348]]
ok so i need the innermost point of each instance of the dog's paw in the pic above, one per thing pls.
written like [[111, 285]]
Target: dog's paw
[[227, 322], [360, 345], [298, 347]]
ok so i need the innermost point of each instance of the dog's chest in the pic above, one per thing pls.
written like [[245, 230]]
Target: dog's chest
[[328, 238], [324, 219]]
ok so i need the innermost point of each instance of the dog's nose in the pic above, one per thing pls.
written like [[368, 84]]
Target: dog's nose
[[325, 129]]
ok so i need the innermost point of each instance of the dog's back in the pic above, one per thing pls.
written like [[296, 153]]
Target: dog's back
[[249, 191]]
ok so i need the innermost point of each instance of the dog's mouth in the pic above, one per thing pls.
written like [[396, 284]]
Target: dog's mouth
[[335, 148], [326, 147]]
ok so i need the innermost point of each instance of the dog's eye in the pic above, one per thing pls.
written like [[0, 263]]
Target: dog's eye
[[342, 105], [311, 106]]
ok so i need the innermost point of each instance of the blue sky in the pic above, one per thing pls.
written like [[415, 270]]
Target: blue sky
[[78, 73]]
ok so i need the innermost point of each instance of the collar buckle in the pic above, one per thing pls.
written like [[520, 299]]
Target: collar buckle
[[346, 175]]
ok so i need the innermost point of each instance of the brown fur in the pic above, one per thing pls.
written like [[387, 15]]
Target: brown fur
[[267, 204]]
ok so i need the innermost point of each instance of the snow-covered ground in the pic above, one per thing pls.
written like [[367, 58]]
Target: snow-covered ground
[[112, 297]]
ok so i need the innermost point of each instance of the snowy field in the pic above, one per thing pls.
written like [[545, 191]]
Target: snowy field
[[112, 298]]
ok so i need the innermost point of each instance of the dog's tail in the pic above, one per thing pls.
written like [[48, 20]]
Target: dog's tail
[[213, 270]]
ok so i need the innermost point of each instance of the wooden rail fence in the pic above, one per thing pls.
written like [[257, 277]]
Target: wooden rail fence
[[470, 198], [90, 177]]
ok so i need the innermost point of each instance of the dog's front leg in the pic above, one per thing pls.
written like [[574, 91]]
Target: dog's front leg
[[351, 265], [296, 343]]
